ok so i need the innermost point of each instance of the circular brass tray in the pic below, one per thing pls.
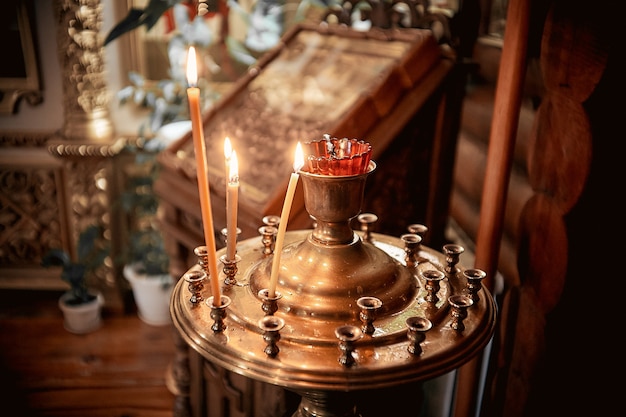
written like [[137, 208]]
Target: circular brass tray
[[319, 296]]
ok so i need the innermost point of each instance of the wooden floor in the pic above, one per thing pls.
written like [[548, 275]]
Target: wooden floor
[[118, 370]]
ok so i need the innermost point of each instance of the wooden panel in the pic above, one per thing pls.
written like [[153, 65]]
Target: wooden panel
[[565, 230], [229, 394], [34, 214]]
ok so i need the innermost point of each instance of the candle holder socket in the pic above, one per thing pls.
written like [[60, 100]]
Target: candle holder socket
[[195, 283], [271, 327], [411, 246], [418, 229], [202, 253], [367, 220], [474, 278], [270, 304], [416, 333], [348, 336], [433, 280], [218, 313], [268, 238], [230, 269], [369, 306], [460, 303], [452, 252], [271, 220]]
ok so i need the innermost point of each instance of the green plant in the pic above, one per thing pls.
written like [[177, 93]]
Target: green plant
[[136, 17], [92, 253], [145, 245], [166, 99]]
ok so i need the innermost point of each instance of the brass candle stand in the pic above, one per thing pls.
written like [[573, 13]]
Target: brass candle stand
[[353, 314]]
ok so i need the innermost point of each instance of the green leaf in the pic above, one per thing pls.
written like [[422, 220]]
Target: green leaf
[[239, 52], [87, 242], [147, 17], [91, 255], [56, 257]]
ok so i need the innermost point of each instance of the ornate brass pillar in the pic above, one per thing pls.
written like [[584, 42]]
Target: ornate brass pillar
[[87, 143], [80, 52]]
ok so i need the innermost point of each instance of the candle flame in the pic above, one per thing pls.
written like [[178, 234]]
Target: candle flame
[[298, 161], [192, 68], [228, 149], [233, 174]]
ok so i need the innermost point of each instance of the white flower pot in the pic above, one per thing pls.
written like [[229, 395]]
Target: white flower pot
[[152, 295], [82, 318]]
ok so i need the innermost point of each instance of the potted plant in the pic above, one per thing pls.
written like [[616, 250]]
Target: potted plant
[[152, 290], [81, 306], [144, 258]]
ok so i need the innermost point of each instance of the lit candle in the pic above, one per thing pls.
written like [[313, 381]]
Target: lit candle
[[193, 95], [298, 163], [232, 195]]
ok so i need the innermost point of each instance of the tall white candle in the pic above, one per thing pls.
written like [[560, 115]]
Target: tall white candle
[[284, 218], [232, 197], [193, 95]]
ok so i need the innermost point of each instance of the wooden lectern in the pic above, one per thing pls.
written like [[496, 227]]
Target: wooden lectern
[[396, 89]]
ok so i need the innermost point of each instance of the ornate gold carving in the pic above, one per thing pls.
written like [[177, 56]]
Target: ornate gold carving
[[13, 87], [87, 186], [33, 216], [81, 57], [22, 139], [394, 14], [30, 215], [58, 147]]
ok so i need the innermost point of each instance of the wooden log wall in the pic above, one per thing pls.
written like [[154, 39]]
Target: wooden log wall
[[562, 224]]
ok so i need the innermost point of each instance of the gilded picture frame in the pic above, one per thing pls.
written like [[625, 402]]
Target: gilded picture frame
[[19, 74]]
